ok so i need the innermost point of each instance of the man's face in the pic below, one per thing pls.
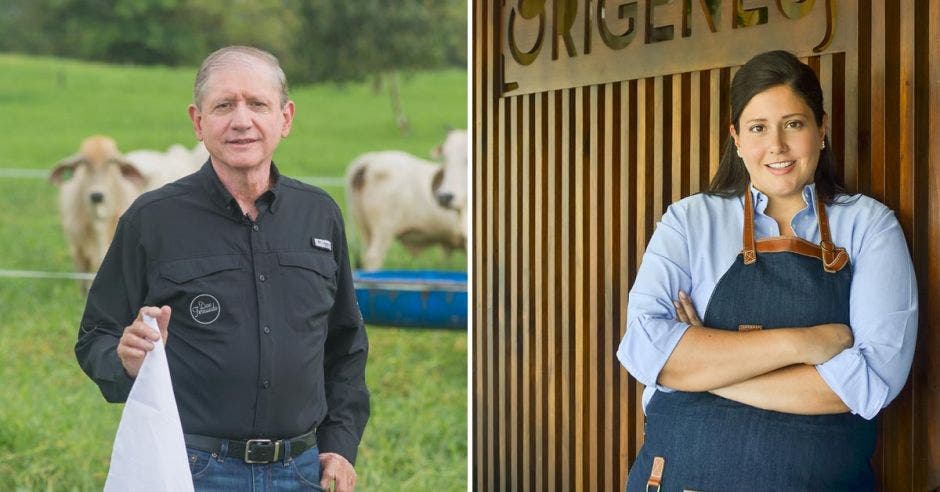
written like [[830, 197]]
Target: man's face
[[240, 118]]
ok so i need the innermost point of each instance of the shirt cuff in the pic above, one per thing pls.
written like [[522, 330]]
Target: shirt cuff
[[117, 386], [849, 377], [643, 355], [336, 440]]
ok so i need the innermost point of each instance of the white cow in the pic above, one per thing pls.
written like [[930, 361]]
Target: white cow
[[97, 184], [391, 195], [450, 186], [161, 168]]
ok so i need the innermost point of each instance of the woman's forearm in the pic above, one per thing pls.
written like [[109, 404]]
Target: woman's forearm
[[707, 358], [795, 389]]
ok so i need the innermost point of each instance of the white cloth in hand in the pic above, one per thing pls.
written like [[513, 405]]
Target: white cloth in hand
[[149, 453]]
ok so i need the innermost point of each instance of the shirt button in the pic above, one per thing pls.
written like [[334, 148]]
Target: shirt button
[[262, 277], [267, 330], [266, 383], [254, 227]]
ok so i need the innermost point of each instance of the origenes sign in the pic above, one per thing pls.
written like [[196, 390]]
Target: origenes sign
[[554, 44]]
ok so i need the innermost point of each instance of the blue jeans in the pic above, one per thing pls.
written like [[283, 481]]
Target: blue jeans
[[214, 472]]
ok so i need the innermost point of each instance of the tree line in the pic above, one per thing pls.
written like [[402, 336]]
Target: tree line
[[316, 40]]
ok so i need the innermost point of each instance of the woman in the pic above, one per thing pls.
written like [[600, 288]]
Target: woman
[[811, 309]]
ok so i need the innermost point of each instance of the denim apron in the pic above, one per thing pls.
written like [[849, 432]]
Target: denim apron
[[703, 442]]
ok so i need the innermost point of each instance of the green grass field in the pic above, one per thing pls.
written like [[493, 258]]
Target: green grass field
[[55, 428]]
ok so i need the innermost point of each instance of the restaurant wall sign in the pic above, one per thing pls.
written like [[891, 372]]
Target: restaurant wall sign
[[556, 44]]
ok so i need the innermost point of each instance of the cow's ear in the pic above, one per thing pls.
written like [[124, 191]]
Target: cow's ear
[[437, 179], [64, 169], [131, 173]]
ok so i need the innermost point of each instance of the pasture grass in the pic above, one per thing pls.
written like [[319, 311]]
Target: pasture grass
[[56, 430]]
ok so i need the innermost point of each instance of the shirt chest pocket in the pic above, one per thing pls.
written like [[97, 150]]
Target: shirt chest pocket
[[307, 282], [209, 289]]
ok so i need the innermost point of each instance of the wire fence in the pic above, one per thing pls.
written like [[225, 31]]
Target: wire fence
[[15, 173]]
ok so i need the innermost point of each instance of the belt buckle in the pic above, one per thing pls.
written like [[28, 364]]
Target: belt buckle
[[269, 450]]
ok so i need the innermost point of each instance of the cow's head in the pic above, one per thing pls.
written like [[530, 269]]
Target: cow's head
[[450, 182], [98, 178]]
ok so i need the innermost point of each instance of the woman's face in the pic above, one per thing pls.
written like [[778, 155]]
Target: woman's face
[[779, 142]]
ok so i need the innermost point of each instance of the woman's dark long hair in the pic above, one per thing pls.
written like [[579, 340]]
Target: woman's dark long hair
[[760, 73]]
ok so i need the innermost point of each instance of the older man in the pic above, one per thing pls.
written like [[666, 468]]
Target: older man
[[265, 341]]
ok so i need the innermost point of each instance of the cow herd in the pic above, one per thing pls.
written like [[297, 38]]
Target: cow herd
[[391, 195], [394, 195]]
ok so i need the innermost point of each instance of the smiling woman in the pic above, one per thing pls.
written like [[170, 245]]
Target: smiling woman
[[780, 144], [811, 309]]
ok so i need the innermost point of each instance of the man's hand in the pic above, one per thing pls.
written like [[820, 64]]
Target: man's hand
[[337, 470], [138, 338]]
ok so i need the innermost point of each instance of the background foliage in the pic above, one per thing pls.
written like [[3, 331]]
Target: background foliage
[[55, 428], [316, 40]]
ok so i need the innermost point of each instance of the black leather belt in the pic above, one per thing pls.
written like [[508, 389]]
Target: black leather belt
[[254, 450]]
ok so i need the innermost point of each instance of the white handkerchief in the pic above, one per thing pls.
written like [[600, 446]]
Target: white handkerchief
[[149, 453]]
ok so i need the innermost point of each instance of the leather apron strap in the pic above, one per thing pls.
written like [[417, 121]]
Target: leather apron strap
[[833, 258]]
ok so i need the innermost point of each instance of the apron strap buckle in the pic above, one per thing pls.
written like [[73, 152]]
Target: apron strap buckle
[[656, 475]]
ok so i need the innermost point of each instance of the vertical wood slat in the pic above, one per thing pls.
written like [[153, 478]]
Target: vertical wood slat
[[579, 259], [483, 47], [568, 186], [715, 121], [514, 406], [899, 196], [924, 254], [554, 463], [540, 260], [531, 339], [609, 465], [627, 213], [676, 142], [567, 461], [592, 323], [932, 338], [877, 64], [695, 132]]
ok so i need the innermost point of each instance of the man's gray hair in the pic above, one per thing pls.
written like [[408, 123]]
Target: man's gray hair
[[237, 54]]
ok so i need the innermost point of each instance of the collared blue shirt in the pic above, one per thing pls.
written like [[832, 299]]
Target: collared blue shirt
[[699, 238]]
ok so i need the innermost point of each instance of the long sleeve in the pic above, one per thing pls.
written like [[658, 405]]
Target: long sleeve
[[652, 330], [346, 351], [883, 316], [118, 288]]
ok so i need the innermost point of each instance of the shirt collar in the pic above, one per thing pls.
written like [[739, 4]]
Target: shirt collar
[[224, 200], [274, 192], [809, 197]]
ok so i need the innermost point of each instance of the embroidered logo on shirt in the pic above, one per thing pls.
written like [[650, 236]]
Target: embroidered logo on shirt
[[205, 309], [323, 244]]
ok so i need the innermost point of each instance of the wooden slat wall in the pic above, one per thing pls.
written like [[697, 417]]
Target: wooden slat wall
[[929, 364], [567, 188]]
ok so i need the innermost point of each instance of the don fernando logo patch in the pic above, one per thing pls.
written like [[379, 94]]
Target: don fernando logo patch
[[205, 309]]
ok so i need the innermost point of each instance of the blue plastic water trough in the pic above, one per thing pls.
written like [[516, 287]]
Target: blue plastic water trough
[[412, 298]]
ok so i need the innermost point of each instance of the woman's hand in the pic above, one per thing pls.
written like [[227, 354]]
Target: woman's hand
[[823, 342], [685, 312], [817, 343]]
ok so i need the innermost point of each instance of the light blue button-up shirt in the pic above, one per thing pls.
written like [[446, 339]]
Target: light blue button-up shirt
[[697, 241]]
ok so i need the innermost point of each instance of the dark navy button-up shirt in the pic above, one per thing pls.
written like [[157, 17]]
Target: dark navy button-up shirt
[[266, 339]]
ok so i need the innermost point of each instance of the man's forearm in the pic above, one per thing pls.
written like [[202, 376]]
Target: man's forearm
[[347, 397], [795, 389], [97, 358]]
